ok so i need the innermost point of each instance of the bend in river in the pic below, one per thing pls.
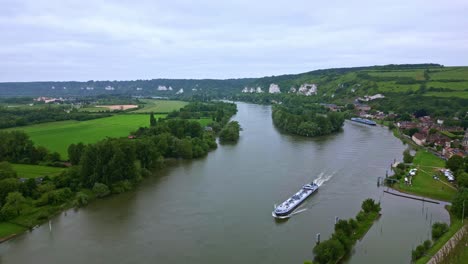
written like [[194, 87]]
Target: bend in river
[[218, 209]]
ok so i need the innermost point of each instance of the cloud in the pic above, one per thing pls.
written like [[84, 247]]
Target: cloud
[[82, 40]]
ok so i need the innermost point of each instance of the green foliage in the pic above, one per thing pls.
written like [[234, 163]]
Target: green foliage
[[457, 203], [328, 251], [100, 190], [230, 133], [6, 171], [74, 153], [13, 205], [307, 120], [407, 158], [121, 187], [152, 120], [81, 199], [418, 252], [455, 163], [438, 229], [369, 205], [7, 186]]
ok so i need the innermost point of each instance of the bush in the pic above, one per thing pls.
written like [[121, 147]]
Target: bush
[[418, 252], [438, 229], [369, 205], [100, 190], [427, 244], [121, 186], [329, 251], [82, 199]]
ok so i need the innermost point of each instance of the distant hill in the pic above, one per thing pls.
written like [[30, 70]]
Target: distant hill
[[433, 80]]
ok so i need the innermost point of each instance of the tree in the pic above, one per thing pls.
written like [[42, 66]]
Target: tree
[[438, 229], [344, 226], [14, 202], [329, 251], [462, 179], [457, 203], [407, 158], [74, 153], [6, 170], [369, 205], [455, 163], [152, 120]]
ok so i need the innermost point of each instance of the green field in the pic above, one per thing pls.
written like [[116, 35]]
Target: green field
[[391, 86], [448, 94], [57, 136], [452, 73], [415, 74], [423, 183], [160, 106], [94, 109], [33, 171], [459, 86]]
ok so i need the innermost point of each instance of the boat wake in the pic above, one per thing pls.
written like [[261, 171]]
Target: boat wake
[[323, 178]]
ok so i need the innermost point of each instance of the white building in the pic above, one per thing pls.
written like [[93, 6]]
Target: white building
[[274, 88]]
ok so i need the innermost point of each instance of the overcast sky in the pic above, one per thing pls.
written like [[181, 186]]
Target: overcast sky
[[125, 40]]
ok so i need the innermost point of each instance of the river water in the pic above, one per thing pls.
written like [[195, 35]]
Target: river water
[[218, 209]]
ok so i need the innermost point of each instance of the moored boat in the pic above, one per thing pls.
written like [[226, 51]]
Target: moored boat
[[363, 121]]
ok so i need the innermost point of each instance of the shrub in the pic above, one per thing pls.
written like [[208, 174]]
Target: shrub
[[121, 186], [369, 205], [438, 229], [100, 190], [329, 251], [82, 199]]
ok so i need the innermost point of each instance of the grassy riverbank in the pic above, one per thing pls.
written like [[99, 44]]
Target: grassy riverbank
[[455, 225], [34, 171], [423, 184]]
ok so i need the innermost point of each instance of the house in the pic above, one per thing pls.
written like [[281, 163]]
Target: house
[[362, 107], [419, 139], [406, 125]]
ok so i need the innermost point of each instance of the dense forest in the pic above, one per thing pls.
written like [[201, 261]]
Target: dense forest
[[307, 120]]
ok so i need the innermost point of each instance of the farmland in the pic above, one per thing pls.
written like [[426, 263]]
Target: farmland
[[57, 136], [160, 106], [34, 171]]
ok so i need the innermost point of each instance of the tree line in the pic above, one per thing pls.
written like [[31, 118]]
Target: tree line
[[13, 117]]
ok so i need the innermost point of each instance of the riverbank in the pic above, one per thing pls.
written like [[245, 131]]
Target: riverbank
[[424, 183], [347, 233], [455, 225]]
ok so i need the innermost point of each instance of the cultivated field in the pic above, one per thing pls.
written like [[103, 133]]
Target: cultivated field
[[160, 106], [34, 171], [57, 136]]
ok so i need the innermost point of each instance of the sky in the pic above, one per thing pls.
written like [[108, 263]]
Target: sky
[[64, 40]]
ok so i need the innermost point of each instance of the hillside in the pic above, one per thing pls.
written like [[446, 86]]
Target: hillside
[[431, 80]]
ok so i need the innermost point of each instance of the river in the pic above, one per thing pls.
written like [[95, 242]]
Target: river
[[218, 209]]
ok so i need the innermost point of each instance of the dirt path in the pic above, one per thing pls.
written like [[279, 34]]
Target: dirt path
[[448, 246]]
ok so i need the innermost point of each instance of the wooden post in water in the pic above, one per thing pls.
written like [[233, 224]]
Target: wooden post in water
[[317, 238], [50, 225], [336, 219]]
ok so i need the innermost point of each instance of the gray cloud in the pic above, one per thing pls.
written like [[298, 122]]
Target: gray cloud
[[117, 40]]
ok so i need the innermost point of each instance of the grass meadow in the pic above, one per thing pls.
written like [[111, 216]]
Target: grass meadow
[[34, 171], [160, 106], [57, 136]]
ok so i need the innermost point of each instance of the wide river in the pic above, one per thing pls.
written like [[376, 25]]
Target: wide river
[[218, 209]]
